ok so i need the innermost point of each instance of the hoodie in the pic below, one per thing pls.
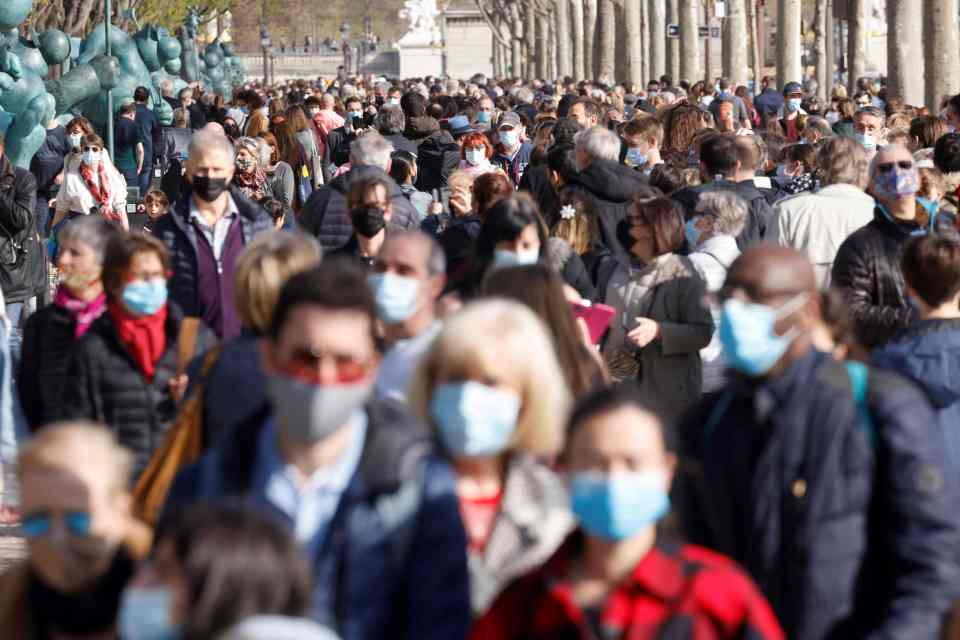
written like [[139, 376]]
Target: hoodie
[[611, 186], [928, 352], [759, 214]]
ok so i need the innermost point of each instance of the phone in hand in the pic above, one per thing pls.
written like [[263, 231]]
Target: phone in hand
[[597, 316]]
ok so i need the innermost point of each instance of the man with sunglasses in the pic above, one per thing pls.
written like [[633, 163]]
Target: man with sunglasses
[[867, 266], [355, 480], [824, 481]]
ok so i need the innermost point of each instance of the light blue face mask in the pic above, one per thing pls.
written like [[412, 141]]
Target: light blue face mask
[[509, 138], [145, 615], [691, 233], [618, 506], [748, 336], [503, 258], [483, 117], [474, 419], [145, 297], [636, 157], [355, 114], [793, 104], [866, 140], [395, 296]]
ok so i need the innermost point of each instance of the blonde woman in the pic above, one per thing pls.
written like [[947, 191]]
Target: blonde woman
[[492, 389], [92, 185]]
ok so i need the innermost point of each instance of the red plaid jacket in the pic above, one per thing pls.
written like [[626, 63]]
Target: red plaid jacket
[[675, 592]]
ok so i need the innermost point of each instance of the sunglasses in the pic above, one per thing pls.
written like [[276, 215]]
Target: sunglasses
[[40, 524], [887, 167], [304, 366]]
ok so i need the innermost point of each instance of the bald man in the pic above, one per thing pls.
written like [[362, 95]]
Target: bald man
[[826, 483], [867, 267], [83, 544]]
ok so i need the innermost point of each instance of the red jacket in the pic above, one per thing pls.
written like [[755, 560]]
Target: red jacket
[[674, 592]]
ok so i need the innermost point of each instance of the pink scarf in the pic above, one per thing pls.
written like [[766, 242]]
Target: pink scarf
[[83, 312]]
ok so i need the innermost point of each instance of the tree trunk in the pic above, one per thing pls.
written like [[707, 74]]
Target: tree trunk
[[530, 42], [543, 45], [821, 36], [562, 38], [576, 20], [497, 64], [857, 42], [709, 72], [941, 42], [657, 18], [735, 43], [672, 44], [589, 41], [634, 41], [904, 52], [788, 42], [621, 63], [830, 48], [689, 41], [607, 45], [645, 43]]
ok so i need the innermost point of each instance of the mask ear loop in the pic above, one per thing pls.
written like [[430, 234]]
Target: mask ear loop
[[787, 309]]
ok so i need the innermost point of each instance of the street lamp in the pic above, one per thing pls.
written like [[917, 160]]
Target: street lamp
[[265, 45], [345, 44], [107, 23]]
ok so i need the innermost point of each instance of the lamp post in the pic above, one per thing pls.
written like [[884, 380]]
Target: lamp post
[[107, 23], [265, 45], [345, 44]]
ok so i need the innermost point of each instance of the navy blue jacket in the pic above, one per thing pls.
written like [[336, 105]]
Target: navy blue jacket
[[516, 166], [847, 525], [152, 133], [363, 588], [928, 352], [180, 237], [768, 102]]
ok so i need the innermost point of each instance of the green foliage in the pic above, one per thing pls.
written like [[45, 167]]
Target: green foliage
[[171, 13]]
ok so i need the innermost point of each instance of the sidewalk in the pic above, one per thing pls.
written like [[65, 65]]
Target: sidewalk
[[12, 547]]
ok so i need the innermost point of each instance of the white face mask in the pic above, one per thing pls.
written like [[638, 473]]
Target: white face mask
[[476, 157], [76, 139], [91, 158]]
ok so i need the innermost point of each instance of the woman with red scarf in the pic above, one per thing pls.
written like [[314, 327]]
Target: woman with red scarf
[[92, 186], [125, 370], [51, 334]]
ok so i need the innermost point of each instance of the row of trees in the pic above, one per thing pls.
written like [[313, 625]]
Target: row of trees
[[628, 40], [78, 17]]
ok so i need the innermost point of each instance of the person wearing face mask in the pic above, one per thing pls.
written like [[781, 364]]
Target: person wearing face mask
[[492, 389], [92, 186], [791, 112], [128, 368], [336, 468], [408, 277], [212, 567], [337, 152], [47, 168], [946, 158], [83, 543], [869, 128], [867, 266], [797, 469], [513, 152], [205, 232], [661, 322], [619, 575], [797, 172], [476, 152], [250, 178], [642, 138], [51, 334], [370, 214]]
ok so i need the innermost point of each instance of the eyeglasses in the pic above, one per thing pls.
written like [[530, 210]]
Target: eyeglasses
[[305, 364], [887, 167], [40, 524]]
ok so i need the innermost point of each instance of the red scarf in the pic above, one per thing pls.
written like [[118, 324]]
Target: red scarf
[[83, 312], [143, 336], [101, 193]]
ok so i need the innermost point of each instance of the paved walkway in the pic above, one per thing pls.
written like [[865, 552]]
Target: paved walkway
[[12, 547]]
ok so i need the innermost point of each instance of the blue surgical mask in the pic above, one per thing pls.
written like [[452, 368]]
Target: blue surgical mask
[[793, 104], [618, 506], [395, 296], [505, 258], [510, 138], [866, 140], [355, 114], [145, 297], [91, 158], [474, 419], [483, 117], [636, 157], [146, 614], [748, 336], [76, 139], [691, 233], [393, 101]]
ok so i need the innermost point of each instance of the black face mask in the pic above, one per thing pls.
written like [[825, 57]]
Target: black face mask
[[623, 235], [367, 220], [208, 189]]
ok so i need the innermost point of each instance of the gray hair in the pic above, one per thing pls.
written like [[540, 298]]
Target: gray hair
[[820, 125], [728, 210], [371, 149], [876, 112], [842, 160], [91, 231], [347, 91], [524, 95], [390, 120], [253, 146], [598, 143], [206, 140], [437, 260]]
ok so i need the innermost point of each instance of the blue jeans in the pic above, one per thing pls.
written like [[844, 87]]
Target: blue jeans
[[146, 176]]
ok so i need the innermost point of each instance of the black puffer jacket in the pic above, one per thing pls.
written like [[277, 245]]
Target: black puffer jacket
[[180, 237], [759, 215], [536, 181], [611, 186], [438, 156], [18, 243], [326, 216], [105, 384], [48, 343], [867, 273]]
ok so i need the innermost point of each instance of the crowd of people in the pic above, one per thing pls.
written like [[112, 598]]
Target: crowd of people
[[491, 359]]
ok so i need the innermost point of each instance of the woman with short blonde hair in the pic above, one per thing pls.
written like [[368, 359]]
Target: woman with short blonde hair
[[492, 389]]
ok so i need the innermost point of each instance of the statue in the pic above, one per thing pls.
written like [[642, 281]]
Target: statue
[[422, 15], [189, 57]]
